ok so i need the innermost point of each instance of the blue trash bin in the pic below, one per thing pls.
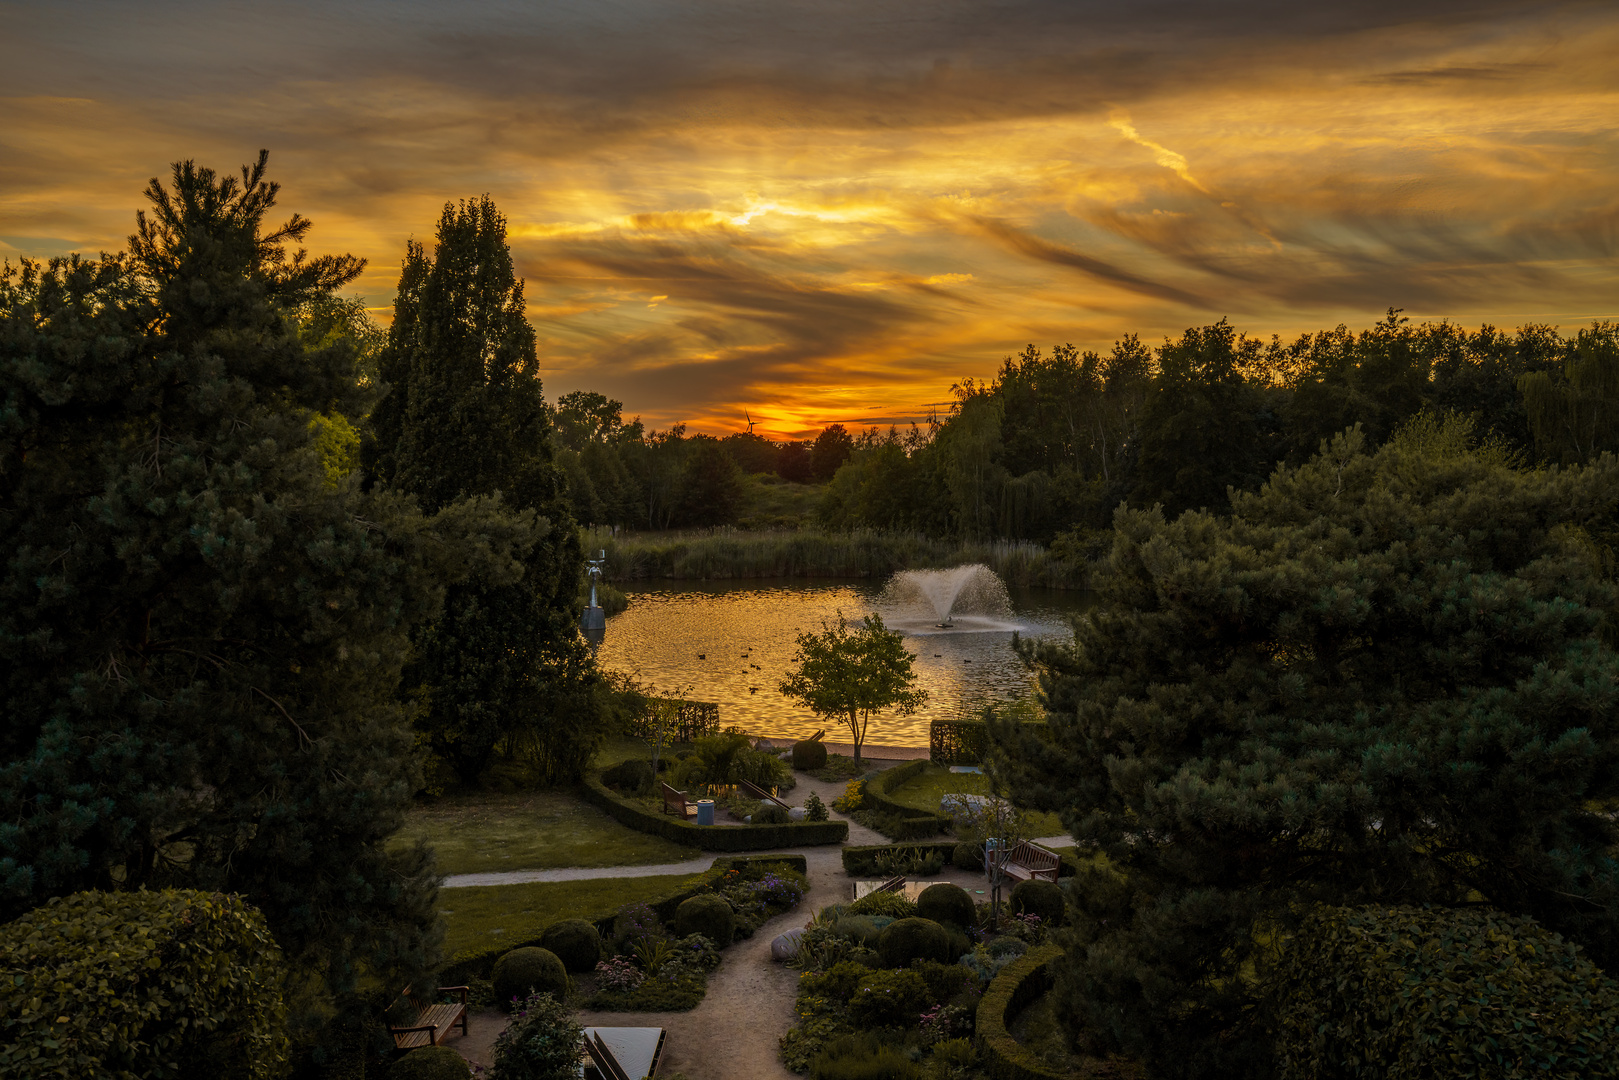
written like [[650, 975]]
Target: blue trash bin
[[705, 811]]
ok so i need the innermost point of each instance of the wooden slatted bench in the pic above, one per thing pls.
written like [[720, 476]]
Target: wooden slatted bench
[[675, 802], [754, 791], [434, 1020], [1027, 861]]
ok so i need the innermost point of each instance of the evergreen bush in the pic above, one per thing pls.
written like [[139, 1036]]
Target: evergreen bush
[[888, 999], [526, 971], [543, 1042], [967, 856], [944, 981], [634, 776], [947, 903], [893, 904], [808, 755], [708, 915], [430, 1063], [1403, 992], [575, 942], [863, 930], [770, 814], [913, 939], [1042, 898]]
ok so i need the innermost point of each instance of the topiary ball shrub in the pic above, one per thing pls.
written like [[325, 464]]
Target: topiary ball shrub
[[947, 903], [809, 756], [967, 856], [708, 915], [892, 904], [771, 814], [634, 775], [528, 970], [576, 943], [1042, 898], [430, 1063], [913, 939]]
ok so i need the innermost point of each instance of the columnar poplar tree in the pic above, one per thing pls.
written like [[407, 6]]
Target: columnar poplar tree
[[465, 417], [1384, 679], [200, 630]]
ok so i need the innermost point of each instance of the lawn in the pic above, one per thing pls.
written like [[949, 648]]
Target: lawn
[[936, 781], [487, 915], [540, 830]]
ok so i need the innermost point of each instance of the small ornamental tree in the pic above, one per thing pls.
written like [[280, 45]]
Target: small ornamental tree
[[848, 676], [1384, 679]]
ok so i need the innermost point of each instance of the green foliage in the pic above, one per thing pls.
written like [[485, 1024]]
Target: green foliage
[[430, 1063], [763, 768], [913, 939], [814, 808], [871, 861], [892, 904], [707, 915], [135, 985], [888, 999], [712, 838], [1041, 898], [944, 981], [633, 776], [711, 761], [947, 903], [862, 930], [200, 633], [837, 983], [542, 1042], [575, 942], [809, 755], [957, 742], [526, 971], [1382, 679], [967, 856], [770, 814], [1411, 992], [849, 676], [862, 1057], [1570, 409], [676, 991], [464, 417]]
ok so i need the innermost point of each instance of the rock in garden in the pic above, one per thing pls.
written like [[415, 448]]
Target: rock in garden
[[785, 947], [796, 813]]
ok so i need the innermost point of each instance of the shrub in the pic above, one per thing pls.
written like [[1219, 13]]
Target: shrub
[[862, 930], [913, 939], [695, 953], [888, 999], [808, 755], [1042, 898], [430, 1063], [762, 768], [814, 808], [893, 904], [910, 861], [618, 974], [543, 1042], [956, 1053], [120, 984], [634, 924], [1006, 946], [854, 794], [708, 915], [771, 814], [946, 903], [862, 1057], [837, 983], [575, 942], [967, 856], [944, 981], [633, 776], [528, 971], [1412, 992], [944, 1022], [957, 940]]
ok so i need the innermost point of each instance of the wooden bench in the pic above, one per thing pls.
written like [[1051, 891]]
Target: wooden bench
[[1027, 861], [754, 791], [433, 1020], [674, 802]]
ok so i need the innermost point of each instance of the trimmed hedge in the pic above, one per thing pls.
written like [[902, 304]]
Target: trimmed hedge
[[577, 943], [861, 860], [1402, 992], [528, 970], [141, 984], [1019, 985], [709, 915], [914, 823], [472, 964], [711, 837], [809, 755]]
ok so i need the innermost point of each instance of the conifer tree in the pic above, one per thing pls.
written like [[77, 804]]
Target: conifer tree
[[200, 630], [1383, 679], [465, 416]]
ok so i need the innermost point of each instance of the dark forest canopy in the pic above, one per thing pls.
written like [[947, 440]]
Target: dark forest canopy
[[1056, 441]]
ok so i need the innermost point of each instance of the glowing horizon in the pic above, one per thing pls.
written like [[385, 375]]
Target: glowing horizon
[[829, 212]]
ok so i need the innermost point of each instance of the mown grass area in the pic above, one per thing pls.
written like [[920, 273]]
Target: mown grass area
[[484, 916], [933, 783], [539, 830], [726, 553]]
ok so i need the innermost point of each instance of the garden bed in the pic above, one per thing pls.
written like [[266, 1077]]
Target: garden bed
[[711, 837], [1021, 988]]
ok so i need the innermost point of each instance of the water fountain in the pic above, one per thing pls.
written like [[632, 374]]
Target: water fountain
[[964, 599]]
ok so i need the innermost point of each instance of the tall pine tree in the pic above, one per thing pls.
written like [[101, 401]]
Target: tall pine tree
[[200, 630], [504, 666]]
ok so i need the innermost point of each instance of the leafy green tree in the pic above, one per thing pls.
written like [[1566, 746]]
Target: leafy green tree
[[1574, 412], [503, 666], [830, 449], [710, 484], [847, 676], [1382, 680], [200, 631]]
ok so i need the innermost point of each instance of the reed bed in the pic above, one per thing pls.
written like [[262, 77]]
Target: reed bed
[[722, 554]]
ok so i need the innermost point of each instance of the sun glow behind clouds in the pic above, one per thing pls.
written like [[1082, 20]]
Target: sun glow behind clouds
[[831, 212]]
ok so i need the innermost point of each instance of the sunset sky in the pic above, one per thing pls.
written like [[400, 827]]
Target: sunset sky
[[831, 211]]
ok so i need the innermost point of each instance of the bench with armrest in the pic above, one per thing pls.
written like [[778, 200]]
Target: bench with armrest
[[1026, 861], [434, 1020], [754, 791], [675, 802]]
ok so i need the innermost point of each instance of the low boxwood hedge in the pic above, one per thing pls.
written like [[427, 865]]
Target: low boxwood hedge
[[124, 985], [711, 837], [1437, 993]]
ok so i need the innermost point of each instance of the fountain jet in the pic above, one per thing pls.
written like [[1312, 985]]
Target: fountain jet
[[972, 594]]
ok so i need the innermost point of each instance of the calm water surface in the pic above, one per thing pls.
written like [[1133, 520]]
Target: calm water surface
[[733, 642]]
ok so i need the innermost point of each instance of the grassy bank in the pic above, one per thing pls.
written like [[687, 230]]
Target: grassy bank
[[720, 554], [485, 916], [935, 782]]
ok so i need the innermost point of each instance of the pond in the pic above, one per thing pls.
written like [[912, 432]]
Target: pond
[[733, 642]]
